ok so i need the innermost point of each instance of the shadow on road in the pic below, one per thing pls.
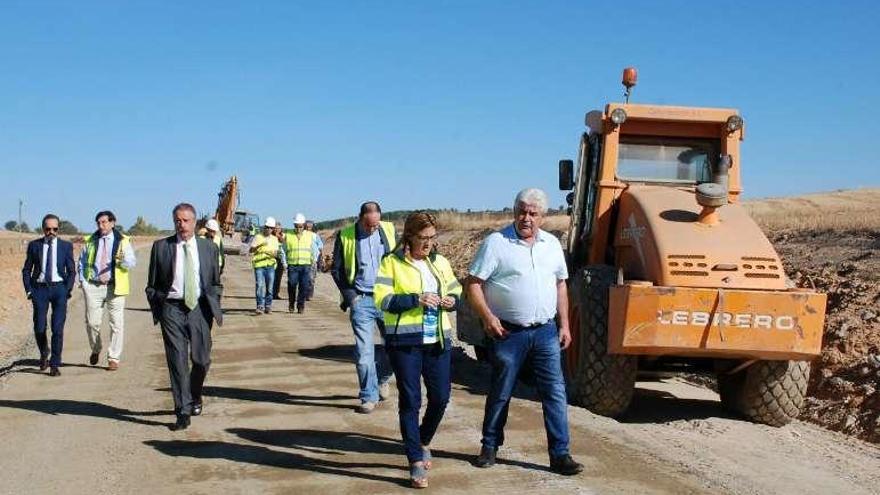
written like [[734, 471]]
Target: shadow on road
[[341, 442], [33, 366], [275, 397], [82, 408], [338, 353], [239, 311], [255, 454], [323, 442], [251, 297], [654, 406], [21, 366]]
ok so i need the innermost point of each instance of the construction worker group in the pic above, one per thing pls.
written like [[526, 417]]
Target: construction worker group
[[401, 286], [296, 252]]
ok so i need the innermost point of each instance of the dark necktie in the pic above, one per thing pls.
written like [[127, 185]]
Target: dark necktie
[[50, 261]]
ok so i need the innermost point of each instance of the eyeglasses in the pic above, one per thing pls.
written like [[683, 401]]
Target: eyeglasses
[[426, 238], [50, 229]]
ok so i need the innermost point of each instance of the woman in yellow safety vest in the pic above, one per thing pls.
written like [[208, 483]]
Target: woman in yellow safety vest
[[417, 289]]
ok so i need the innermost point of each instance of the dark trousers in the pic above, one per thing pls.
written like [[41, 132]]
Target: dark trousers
[[43, 297], [276, 285], [410, 365], [538, 349], [298, 280], [186, 334], [313, 275]]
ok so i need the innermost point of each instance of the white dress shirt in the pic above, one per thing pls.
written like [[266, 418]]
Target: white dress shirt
[[176, 291], [520, 280], [55, 277]]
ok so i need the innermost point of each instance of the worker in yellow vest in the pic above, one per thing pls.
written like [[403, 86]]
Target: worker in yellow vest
[[106, 258], [299, 252], [264, 248], [278, 232], [212, 232], [357, 253]]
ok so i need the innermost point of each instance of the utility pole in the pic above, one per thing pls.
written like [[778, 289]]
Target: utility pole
[[20, 220]]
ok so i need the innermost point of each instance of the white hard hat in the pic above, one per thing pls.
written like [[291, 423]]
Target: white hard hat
[[212, 225], [270, 222], [299, 219]]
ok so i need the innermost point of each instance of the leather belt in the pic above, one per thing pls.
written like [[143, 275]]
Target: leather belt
[[513, 327]]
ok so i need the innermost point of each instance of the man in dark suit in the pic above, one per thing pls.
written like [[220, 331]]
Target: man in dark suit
[[184, 291], [48, 276]]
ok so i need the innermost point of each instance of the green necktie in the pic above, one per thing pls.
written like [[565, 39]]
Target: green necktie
[[189, 279]]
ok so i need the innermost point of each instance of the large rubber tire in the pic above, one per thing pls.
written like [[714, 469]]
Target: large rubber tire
[[768, 392], [601, 382]]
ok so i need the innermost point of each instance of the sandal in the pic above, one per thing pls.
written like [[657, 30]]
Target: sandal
[[426, 457], [418, 475]]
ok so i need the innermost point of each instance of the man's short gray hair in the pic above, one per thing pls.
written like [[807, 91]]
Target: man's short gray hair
[[531, 196]]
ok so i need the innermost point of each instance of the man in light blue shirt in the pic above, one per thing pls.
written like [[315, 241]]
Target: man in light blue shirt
[[517, 287], [317, 256], [356, 255]]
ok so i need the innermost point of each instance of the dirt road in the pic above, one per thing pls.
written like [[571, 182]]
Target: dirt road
[[279, 418]]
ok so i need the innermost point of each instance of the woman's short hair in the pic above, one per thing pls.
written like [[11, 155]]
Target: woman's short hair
[[416, 222]]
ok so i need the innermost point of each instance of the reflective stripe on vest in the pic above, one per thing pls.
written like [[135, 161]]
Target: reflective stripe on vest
[[299, 249], [121, 284], [265, 255], [218, 240], [349, 247], [397, 276]]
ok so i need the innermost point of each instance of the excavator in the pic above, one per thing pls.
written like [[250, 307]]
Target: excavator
[[236, 224]]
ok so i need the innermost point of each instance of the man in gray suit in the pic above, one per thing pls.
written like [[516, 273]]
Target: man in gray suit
[[184, 292]]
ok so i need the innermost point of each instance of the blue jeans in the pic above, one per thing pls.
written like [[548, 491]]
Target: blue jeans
[[298, 277], [265, 280], [42, 298], [410, 364], [538, 349], [372, 369]]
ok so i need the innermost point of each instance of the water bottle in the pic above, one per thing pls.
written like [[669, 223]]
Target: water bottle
[[429, 322]]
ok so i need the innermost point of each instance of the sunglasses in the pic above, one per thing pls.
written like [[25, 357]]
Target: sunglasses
[[50, 229], [426, 238]]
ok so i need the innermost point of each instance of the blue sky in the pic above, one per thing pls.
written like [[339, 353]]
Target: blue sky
[[134, 106]]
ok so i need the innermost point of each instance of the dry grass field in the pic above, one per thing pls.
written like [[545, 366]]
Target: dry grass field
[[850, 210]]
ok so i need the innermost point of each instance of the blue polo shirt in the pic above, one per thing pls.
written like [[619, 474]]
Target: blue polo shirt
[[370, 251], [520, 280]]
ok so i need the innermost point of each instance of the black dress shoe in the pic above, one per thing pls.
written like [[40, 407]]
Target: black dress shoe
[[54, 371], [197, 409], [93, 359], [44, 363], [486, 458], [181, 424], [565, 465]]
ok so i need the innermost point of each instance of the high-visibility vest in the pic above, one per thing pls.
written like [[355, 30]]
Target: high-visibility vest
[[299, 249], [218, 241], [119, 274], [399, 276], [265, 255], [349, 246]]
